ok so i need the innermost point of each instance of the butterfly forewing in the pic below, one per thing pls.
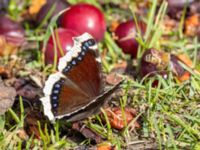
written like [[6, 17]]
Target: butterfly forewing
[[84, 69], [86, 74]]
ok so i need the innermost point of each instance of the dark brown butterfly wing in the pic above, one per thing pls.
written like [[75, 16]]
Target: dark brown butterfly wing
[[70, 98], [85, 73], [94, 106], [76, 90]]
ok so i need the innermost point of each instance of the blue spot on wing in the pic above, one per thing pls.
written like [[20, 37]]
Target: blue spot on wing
[[55, 94]]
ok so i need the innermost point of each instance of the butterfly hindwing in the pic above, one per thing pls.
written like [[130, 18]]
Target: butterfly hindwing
[[93, 107]]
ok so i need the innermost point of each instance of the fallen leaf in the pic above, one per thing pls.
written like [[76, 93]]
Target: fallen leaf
[[114, 25], [169, 25], [105, 146], [22, 134], [116, 117], [120, 67], [28, 92], [4, 72], [7, 97], [11, 68], [36, 5], [184, 77], [26, 89], [37, 79], [113, 78], [192, 25], [6, 48], [19, 83], [185, 59], [179, 72], [86, 132]]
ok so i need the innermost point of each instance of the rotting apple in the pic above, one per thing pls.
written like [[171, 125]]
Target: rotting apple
[[50, 9], [126, 36], [12, 31], [154, 62]]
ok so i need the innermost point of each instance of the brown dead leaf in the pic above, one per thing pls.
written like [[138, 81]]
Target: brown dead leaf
[[4, 72], [120, 67], [114, 25], [192, 25], [184, 77], [36, 5], [7, 97], [26, 89], [6, 48], [105, 146], [180, 73], [169, 25], [116, 117], [185, 59], [29, 92], [22, 134], [37, 79], [19, 83], [86, 132], [113, 78], [12, 67]]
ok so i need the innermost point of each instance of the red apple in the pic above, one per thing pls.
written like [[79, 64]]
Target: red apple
[[58, 6], [126, 34], [63, 37], [12, 31], [154, 62], [85, 18]]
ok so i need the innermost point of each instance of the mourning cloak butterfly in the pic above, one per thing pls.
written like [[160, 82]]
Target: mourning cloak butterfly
[[76, 91]]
